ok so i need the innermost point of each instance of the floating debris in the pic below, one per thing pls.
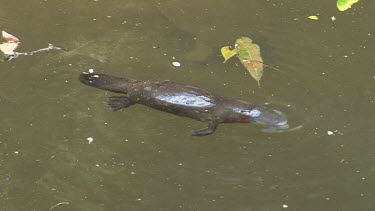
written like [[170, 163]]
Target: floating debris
[[90, 139], [9, 48], [58, 204], [176, 64]]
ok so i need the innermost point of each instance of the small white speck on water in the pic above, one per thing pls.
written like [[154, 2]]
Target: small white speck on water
[[90, 139], [94, 19], [139, 199], [132, 172], [95, 76], [329, 133], [91, 70], [180, 164], [70, 64], [176, 64], [333, 18], [285, 206], [105, 123], [16, 152], [97, 165], [108, 16]]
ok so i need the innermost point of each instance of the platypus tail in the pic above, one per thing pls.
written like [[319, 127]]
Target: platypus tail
[[106, 82]]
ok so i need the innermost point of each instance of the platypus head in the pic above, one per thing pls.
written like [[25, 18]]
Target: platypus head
[[261, 116]]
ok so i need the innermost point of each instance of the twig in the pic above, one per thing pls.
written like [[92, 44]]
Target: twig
[[17, 54]]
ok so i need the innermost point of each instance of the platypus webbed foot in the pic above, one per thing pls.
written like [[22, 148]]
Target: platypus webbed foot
[[118, 102], [207, 131]]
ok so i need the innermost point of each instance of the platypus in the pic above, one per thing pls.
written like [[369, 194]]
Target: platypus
[[182, 100]]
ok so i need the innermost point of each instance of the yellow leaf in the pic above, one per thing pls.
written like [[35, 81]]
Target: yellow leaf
[[314, 17], [343, 5], [228, 52]]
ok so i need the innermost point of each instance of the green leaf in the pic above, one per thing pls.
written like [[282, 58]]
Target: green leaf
[[249, 55], [228, 52], [343, 5]]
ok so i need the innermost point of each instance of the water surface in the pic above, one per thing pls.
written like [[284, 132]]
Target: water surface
[[142, 159]]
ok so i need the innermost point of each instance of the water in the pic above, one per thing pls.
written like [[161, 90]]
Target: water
[[142, 159]]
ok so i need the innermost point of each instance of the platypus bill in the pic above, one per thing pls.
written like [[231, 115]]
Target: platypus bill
[[182, 100]]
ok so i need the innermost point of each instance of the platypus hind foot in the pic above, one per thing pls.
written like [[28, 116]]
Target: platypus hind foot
[[207, 131]]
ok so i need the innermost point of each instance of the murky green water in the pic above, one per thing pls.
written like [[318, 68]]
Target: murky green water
[[142, 159]]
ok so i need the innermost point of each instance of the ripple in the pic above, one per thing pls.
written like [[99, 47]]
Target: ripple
[[297, 117]]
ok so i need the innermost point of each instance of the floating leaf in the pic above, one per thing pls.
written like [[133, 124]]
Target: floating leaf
[[249, 55], [228, 52], [313, 17], [9, 47], [343, 5]]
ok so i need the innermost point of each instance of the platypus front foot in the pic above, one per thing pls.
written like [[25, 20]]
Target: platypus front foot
[[207, 131]]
